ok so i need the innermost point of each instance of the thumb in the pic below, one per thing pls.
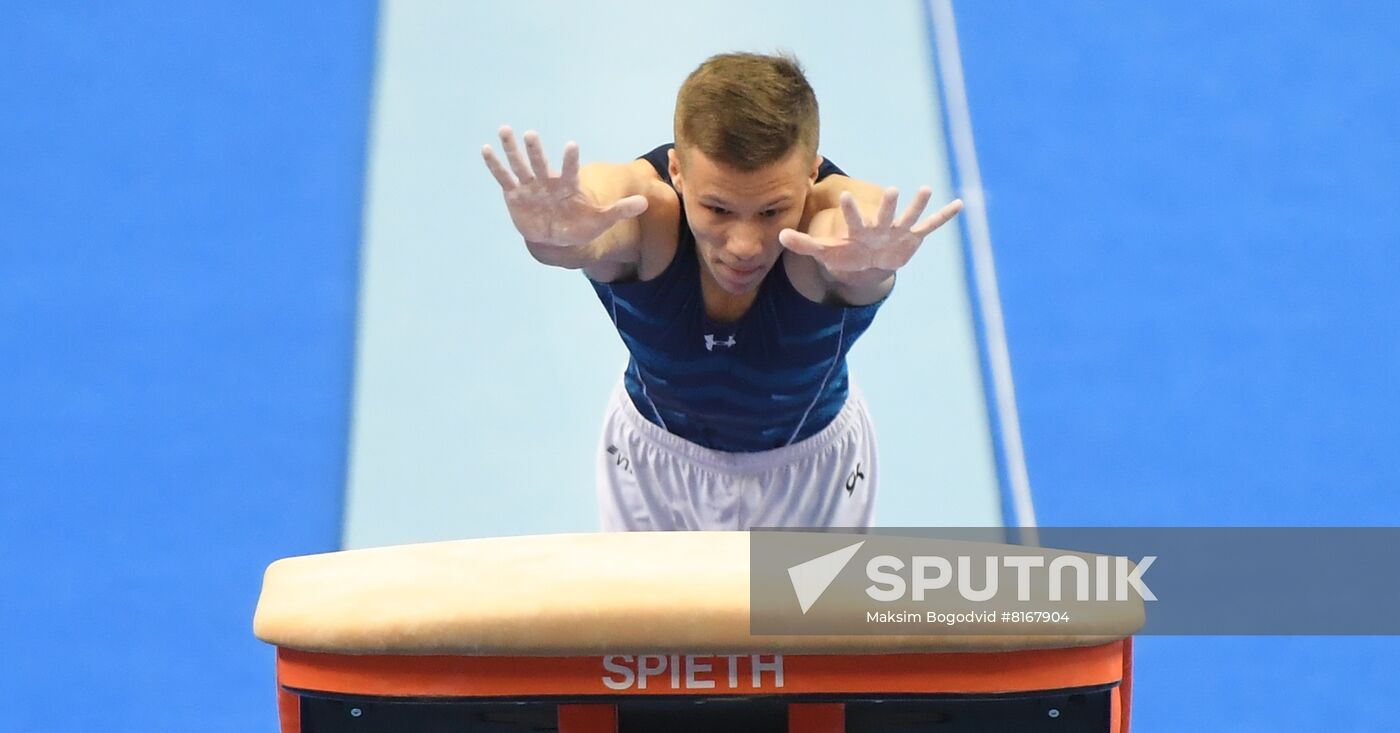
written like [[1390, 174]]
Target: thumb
[[799, 242], [628, 208]]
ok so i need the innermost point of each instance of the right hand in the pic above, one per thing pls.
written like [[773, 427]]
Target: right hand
[[551, 209]]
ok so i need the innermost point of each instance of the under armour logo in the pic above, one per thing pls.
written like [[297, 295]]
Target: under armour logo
[[711, 343], [855, 476]]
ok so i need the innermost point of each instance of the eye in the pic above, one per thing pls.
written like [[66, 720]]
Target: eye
[[717, 210], [771, 213]]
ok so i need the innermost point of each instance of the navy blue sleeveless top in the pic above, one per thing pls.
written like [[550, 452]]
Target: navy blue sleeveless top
[[771, 378]]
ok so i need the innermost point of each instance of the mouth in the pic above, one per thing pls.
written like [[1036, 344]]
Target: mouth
[[738, 274]]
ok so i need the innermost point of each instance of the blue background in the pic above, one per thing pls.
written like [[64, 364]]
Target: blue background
[[180, 192], [1193, 210], [1195, 217]]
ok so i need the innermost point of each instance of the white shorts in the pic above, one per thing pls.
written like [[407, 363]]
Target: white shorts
[[649, 479]]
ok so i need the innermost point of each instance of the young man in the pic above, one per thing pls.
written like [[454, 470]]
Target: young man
[[739, 267]]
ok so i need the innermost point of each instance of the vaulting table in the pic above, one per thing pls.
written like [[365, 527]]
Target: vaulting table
[[645, 631]]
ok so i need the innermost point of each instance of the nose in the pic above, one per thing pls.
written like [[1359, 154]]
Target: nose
[[745, 243]]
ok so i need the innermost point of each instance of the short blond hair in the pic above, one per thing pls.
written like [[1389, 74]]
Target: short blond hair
[[747, 110]]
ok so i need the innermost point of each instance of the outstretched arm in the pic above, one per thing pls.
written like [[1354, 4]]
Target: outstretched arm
[[858, 246], [587, 218]]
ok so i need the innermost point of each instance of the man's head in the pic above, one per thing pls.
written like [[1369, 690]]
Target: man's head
[[746, 157], [746, 110]]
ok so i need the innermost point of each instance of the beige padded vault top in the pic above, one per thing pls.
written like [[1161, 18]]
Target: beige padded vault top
[[564, 595]]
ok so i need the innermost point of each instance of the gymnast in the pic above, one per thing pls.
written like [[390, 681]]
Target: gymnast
[[739, 266]]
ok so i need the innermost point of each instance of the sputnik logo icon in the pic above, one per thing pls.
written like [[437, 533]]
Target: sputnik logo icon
[[811, 579]]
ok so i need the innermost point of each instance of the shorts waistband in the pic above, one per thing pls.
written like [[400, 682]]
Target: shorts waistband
[[741, 463]]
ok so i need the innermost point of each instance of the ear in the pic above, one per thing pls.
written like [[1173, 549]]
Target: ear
[[816, 167], [673, 166]]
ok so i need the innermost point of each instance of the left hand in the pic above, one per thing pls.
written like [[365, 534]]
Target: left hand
[[859, 252]]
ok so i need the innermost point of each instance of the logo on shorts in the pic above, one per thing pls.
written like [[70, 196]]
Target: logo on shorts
[[711, 343], [620, 460], [851, 480]]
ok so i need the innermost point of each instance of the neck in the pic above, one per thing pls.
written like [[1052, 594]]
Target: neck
[[720, 305]]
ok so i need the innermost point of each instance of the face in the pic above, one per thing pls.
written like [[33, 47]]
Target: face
[[736, 215]]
